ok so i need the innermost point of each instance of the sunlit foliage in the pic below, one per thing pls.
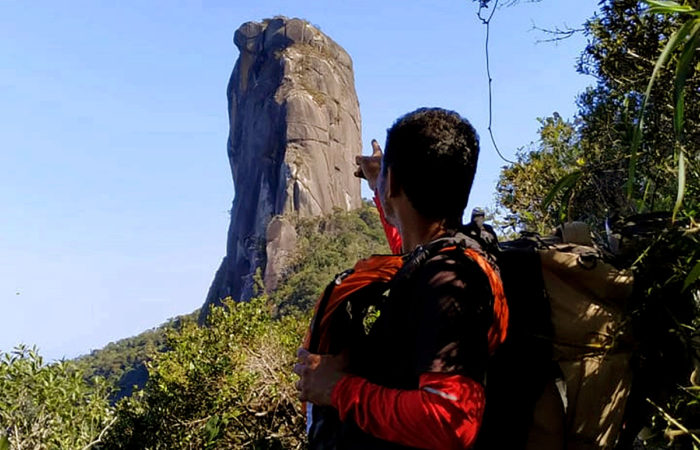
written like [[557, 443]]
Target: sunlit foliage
[[49, 406]]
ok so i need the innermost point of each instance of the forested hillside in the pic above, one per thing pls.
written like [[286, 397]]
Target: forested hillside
[[123, 363]]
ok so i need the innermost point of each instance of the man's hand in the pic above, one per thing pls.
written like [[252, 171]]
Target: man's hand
[[369, 166], [318, 375]]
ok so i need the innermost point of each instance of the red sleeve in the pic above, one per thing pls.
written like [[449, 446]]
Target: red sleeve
[[392, 234], [444, 413]]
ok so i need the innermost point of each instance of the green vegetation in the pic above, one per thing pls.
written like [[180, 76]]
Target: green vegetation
[[588, 160], [327, 246], [226, 385], [599, 168], [118, 358], [122, 363], [50, 406], [523, 187]]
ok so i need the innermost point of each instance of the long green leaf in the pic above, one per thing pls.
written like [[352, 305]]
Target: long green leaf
[[692, 277], [675, 39], [668, 7], [663, 3], [681, 183], [564, 207], [683, 67], [643, 200], [565, 182], [4, 443]]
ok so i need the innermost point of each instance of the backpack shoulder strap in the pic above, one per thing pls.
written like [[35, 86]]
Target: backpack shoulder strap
[[473, 251], [375, 271], [499, 328]]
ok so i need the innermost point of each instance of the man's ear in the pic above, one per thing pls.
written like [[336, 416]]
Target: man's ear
[[393, 187]]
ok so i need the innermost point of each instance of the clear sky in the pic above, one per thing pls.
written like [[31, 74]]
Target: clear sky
[[114, 180]]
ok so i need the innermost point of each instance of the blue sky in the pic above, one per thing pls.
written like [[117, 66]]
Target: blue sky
[[114, 180]]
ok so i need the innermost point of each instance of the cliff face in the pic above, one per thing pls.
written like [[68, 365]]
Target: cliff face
[[294, 132]]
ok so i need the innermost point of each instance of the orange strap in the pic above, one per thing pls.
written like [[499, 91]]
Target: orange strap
[[377, 268], [499, 327]]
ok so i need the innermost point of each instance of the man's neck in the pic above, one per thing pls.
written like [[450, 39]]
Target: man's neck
[[415, 230]]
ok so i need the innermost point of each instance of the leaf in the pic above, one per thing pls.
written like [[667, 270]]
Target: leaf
[[681, 184], [668, 7], [692, 277], [4, 443], [643, 201], [213, 428], [563, 208], [682, 69], [565, 182], [675, 39]]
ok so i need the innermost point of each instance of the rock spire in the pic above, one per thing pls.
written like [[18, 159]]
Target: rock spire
[[294, 131]]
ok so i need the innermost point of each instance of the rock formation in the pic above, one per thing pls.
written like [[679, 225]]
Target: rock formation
[[294, 131]]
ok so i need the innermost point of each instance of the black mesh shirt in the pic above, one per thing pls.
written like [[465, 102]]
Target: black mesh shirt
[[436, 320]]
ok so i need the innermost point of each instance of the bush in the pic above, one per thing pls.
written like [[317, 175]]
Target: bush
[[49, 406], [225, 385]]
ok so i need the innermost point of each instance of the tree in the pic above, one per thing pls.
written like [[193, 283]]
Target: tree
[[624, 42], [613, 171], [529, 182]]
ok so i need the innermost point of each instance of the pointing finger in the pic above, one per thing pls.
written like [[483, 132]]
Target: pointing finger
[[376, 149]]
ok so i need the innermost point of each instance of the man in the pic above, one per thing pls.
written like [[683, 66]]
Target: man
[[416, 379], [479, 230]]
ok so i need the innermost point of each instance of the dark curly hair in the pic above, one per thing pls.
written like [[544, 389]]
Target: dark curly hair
[[433, 153]]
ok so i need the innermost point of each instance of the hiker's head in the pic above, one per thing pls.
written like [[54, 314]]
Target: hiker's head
[[478, 216], [432, 155]]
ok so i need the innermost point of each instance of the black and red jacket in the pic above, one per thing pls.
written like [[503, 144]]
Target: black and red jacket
[[418, 368]]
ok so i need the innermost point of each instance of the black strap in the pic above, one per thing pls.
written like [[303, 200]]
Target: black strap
[[423, 253], [315, 337]]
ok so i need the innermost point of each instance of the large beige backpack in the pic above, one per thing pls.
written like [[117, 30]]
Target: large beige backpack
[[562, 381]]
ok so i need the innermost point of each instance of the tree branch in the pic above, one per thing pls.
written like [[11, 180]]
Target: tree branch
[[487, 22], [102, 434], [556, 34], [674, 422]]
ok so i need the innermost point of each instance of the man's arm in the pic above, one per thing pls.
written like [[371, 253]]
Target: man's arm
[[444, 413], [391, 232], [368, 167]]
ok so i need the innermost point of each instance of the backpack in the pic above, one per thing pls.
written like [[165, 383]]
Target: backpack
[[562, 377], [341, 311]]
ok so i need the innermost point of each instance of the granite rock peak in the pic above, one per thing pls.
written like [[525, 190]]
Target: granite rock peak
[[294, 131]]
